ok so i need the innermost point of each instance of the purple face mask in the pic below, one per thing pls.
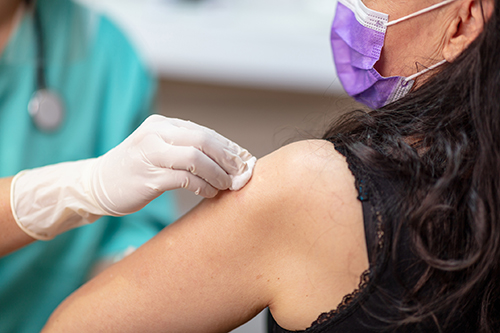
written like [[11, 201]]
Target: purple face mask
[[357, 39]]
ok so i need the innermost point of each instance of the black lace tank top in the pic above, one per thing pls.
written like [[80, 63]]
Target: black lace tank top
[[373, 306]]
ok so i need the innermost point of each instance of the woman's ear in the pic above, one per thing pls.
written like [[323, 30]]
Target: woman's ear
[[469, 22]]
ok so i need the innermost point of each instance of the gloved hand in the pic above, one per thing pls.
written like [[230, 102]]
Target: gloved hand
[[162, 154]]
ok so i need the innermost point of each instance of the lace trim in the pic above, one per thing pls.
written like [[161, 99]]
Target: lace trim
[[346, 301]]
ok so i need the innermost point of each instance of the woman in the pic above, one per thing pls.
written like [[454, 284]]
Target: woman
[[406, 198]]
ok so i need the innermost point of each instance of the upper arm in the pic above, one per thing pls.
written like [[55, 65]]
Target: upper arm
[[231, 256]]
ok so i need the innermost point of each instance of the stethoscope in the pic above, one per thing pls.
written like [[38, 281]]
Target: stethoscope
[[45, 107]]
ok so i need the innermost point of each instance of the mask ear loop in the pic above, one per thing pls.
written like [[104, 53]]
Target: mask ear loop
[[420, 12], [414, 76]]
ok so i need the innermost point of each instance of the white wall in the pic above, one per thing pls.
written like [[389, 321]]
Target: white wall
[[263, 43]]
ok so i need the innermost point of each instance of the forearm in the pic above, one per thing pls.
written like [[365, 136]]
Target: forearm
[[11, 236]]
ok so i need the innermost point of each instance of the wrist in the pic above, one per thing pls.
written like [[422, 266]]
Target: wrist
[[99, 185], [50, 200]]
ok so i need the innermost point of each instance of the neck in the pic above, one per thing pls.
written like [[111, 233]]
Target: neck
[[8, 10]]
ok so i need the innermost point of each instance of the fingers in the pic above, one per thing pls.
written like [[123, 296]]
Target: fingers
[[189, 181], [211, 156], [230, 156], [193, 161]]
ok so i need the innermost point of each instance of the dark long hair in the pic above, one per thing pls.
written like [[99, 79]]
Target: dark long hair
[[443, 141]]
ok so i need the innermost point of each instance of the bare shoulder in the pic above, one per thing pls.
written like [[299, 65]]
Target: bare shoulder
[[312, 172], [292, 240], [312, 154], [311, 213], [302, 181], [310, 158]]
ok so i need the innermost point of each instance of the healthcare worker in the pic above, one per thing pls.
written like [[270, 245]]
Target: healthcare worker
[[103, 93]]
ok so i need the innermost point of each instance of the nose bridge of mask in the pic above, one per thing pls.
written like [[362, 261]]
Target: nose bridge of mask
[[366, 16]]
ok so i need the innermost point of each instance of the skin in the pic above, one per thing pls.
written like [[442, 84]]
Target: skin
[[269, 244], [419, 42], [11, 237], [7, 17], [292, 239]]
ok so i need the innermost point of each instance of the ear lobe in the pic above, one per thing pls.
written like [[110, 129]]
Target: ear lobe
[[466, 26]]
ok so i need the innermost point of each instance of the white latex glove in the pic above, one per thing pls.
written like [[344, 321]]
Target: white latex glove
[[162, 154]]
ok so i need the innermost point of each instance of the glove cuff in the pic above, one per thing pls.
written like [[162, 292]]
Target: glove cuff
[[48, 201]]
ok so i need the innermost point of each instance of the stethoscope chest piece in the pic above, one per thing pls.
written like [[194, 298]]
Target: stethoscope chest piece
[[46, 110]]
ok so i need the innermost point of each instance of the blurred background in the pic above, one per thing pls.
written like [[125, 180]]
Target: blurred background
[[260, 72]]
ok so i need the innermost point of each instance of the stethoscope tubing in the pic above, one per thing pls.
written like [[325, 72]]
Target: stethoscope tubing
[[40, 47], [45, 107]]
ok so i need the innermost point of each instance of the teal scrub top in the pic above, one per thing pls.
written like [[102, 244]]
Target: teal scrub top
[[107, 92]]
